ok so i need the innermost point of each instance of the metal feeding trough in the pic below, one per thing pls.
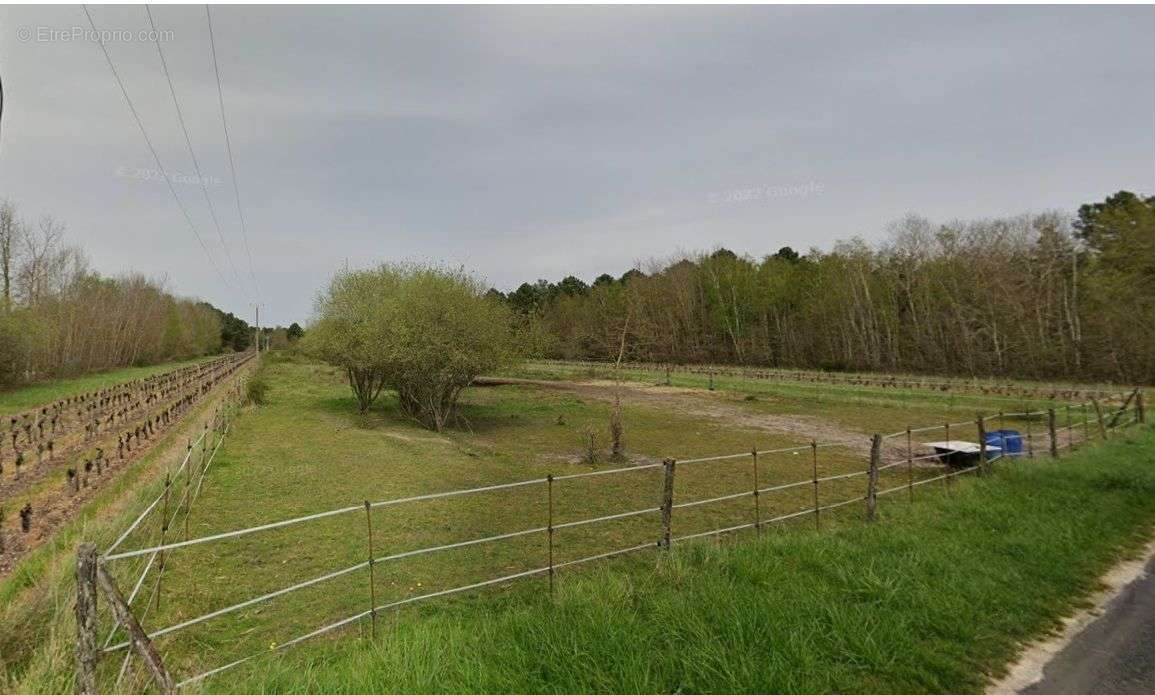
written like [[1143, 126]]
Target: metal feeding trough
[[961, 453]]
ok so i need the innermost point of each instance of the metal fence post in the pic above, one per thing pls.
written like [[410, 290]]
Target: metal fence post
[[86, 651], [667, 501], [872, 476]]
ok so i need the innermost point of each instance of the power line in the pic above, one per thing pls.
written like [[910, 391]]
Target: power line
[[191, 151], [151, 149], [229, 148]]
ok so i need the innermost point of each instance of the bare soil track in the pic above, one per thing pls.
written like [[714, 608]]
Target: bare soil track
[[712, 406]]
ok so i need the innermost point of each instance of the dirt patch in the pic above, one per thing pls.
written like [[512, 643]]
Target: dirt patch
[[410, 438], [709, 405]]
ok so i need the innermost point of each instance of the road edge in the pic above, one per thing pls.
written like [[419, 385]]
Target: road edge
[[1028, 668]]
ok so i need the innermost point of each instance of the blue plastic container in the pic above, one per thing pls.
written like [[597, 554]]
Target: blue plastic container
[[1009, 442]]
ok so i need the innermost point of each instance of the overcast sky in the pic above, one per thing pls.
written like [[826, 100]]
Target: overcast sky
[[531, 142]]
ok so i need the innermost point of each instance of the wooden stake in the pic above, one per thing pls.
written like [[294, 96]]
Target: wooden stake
[[982, 444], [1030, 438], [372, 583], [1122, 409], [667, 501], [872, 476], [757, 504], [909, 465], [163, 533], [1052, 434], [814, 465], [137, 637], [549, 530], [87, 654], [1070, 431], [946, 480], [1099, 419]]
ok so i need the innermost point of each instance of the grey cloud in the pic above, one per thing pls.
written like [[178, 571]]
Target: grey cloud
[[534, 142]]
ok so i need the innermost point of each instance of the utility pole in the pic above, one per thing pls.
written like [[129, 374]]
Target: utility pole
[[257, 328]]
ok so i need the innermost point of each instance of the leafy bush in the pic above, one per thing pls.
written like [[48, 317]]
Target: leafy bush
[[423, 331], [257, 390]]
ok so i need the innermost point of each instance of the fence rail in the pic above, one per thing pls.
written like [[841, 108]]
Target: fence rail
[[1131, 412]]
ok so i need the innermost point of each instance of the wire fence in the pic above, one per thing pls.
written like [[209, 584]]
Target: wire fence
[[837, 479], [988, 389]]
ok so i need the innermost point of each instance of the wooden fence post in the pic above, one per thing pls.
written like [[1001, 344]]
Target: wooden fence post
[[1070, 430], [137, 637], [1054, 436], [979, 422], [549, 529], [814, 466], [909, 466], [667, 501], [372, 583], [86, 651], [1099, 419], [1122, 410], [757, 503], [946, 429], [163, 533], [872, 476], [1030, 437]]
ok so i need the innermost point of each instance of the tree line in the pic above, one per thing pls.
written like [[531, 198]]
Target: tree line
[[59, 318], [1036, 295]]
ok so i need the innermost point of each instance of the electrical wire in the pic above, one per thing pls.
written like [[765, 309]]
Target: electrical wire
[[229, 149], [191, 151], [152, 149]]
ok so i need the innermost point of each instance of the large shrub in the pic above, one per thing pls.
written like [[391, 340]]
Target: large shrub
[[423, 331]]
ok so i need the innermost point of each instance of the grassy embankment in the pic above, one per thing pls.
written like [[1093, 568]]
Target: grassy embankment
[[306, 451], [36, 625]]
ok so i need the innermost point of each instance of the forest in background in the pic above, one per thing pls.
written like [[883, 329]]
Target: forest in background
[[1045, 295], [58, 318]]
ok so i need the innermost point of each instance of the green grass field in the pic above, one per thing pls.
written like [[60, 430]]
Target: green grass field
[[22, 399], [306, 451], [936, 597]]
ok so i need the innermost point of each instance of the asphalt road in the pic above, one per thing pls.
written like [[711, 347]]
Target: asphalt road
[[1115, 653]]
